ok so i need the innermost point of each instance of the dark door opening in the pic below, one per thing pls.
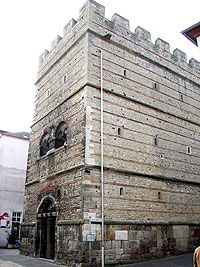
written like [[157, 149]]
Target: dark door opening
[[45, 236]]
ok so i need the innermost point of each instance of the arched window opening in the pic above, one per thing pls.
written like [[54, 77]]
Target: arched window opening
[[44, 144], [47, 206], [159, 195], [61, 135]]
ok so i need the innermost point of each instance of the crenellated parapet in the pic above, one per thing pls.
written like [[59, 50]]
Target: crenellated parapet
[[69, 26], [120, 21], [92, 18]]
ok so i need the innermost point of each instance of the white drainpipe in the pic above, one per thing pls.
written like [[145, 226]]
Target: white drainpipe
[[102, 182]]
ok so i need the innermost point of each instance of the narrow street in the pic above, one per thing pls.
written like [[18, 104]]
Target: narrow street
[[12, 258], [185, 260]]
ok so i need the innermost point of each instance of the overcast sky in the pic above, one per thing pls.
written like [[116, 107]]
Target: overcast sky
[[27, 27]]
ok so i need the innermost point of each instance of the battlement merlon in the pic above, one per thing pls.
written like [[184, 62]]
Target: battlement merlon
[[92, 18]]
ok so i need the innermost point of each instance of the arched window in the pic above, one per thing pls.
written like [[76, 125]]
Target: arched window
[[44, 144], [61, 135]]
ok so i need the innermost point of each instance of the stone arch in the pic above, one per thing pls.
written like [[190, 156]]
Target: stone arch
[[47, 200], [61, 134], [44, 144]]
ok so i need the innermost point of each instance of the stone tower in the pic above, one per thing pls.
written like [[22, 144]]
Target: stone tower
[[151, 146]]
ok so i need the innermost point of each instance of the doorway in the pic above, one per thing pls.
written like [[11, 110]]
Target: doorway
[[45, 235]]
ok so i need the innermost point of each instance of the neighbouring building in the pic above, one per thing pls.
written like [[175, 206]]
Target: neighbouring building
[[193, 34], [151, 156], [13, 162]]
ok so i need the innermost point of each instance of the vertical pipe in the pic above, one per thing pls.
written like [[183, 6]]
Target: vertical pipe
[[90, 245], [102, 182]]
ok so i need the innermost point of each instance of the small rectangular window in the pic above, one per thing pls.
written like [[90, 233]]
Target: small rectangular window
[[155, 86], [125, 73], [64, 78], [159, 195], [48, 92], [189, 150], [155, 141], [181, 97], [121, 191]]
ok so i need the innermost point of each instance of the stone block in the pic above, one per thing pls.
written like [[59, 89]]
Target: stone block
[[143, 34], [179, 55], [108, 245], [164, 46], [98, 235], [55, 41], [109, 235], [69, 26], [96, 245], [120, 21], [43, 56], [132, 235], [121, 235]]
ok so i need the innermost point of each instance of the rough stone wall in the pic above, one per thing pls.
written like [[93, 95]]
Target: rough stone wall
[[69, 244], [72, 113], [136, 242], [133, 197], [27, 239], [151, 136], [62, 72], [68, 200], [130, 130]]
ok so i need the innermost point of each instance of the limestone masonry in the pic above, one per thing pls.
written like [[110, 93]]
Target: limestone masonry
[[151, 146]]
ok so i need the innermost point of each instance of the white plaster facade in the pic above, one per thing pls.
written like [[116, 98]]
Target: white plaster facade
[[13, 161], [198, 42]]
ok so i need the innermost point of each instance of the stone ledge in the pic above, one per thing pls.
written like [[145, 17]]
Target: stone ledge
[[32, 182], [70, 222], [150, 223], [29, 224], [150, 176]]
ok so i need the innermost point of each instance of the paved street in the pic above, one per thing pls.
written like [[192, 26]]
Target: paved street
[[176, 261], [12, 258]]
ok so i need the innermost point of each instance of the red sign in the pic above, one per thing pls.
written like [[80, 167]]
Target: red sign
[[4, 220]]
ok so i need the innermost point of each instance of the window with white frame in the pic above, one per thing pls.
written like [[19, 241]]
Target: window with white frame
[[16, 217]]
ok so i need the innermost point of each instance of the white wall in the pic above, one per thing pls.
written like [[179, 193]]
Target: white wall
[[13, 152], [198, 42], [13, 161]]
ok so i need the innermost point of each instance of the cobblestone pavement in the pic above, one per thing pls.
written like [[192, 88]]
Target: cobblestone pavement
[[12, 258]]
